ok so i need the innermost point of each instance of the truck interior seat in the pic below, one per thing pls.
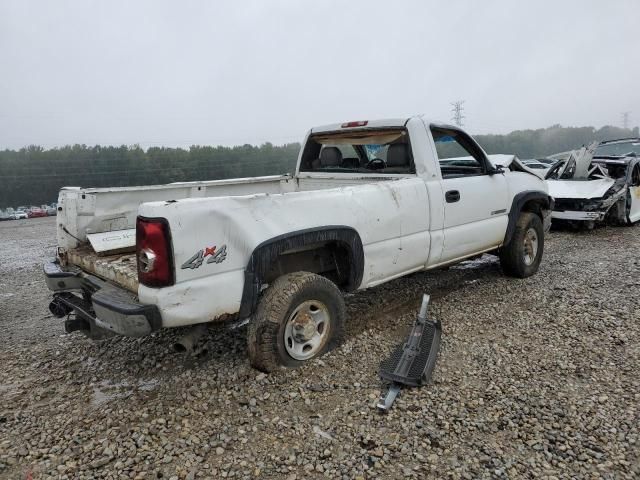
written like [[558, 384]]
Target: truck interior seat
[[398, 155], [330, 157]]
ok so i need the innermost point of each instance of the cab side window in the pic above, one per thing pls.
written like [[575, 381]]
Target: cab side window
[[457, 154]]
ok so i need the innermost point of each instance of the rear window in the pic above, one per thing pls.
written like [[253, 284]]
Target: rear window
[[380, 151]]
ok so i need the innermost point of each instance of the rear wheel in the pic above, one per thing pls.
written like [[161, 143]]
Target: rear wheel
[[522, 255], [299, 317]]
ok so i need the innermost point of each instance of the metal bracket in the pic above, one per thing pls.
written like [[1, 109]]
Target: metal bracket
[[386, 399]]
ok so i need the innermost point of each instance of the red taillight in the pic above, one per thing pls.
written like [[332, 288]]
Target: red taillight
[[361, 123], [153, 251]]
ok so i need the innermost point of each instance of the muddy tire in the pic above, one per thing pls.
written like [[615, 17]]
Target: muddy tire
[[299, 317], [522, 255]]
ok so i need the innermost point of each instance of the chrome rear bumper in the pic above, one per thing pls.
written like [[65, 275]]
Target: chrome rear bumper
[[98, 303]]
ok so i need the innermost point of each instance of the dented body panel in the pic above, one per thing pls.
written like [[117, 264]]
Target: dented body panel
[[403, 221], [84, 211], [391, 218], [575, 189]]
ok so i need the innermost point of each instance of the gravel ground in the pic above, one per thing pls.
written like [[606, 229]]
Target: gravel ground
[[536, 378]]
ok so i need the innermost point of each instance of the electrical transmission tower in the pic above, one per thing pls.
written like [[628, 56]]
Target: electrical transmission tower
[[458, 112], [625, 119]]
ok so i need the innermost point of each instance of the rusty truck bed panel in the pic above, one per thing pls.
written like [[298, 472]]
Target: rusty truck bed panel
[[118, 268]]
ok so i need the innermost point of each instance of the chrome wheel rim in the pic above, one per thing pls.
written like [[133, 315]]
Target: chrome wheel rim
[[307, 330], [530, 246]]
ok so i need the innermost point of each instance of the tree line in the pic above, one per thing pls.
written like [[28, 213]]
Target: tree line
[[33, 175]]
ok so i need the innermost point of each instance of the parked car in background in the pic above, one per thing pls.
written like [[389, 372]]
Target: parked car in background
[[51, 210], [4, 215], [19, 215], [35, 212]]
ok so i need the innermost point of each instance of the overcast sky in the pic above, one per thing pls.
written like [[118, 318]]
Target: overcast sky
[[208, 72]]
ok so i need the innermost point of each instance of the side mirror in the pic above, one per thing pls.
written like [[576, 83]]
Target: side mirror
[[495, 170]]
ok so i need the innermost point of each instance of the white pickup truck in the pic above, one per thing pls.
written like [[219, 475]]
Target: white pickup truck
[[370, 201]]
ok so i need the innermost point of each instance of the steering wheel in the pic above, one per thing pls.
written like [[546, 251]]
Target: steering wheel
[[375, 164], [553, 172]]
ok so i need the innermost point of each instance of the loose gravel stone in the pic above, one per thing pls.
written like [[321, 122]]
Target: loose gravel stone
[[536, 378]]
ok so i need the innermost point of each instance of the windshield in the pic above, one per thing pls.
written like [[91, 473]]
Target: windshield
[[618, 149], [380, 151]]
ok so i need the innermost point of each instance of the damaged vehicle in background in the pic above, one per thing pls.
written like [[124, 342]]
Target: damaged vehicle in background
[[597, 184], [537, 165]]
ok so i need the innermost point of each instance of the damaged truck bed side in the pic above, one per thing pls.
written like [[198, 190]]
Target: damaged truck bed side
[[370, 201], [597, 184]]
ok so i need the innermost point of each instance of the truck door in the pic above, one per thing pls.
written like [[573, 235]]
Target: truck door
[[634, 194], [475, 201]]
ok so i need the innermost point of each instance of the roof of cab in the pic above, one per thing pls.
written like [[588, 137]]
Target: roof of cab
[[379, 123], [386, 122]]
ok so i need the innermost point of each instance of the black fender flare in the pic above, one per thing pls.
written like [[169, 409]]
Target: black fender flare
[[266, 252], [516, 207]]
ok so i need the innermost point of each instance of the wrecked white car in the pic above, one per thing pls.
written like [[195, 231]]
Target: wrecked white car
[[597, 184]]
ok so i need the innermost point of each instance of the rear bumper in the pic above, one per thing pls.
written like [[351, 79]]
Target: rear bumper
[[99, 303]]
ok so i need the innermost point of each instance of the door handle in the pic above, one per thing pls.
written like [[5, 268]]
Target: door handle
[[452, 196]]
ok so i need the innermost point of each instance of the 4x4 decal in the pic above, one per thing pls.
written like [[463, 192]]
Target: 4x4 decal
[[215, 254]]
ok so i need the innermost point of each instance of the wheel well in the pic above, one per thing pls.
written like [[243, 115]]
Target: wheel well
[[335, 252], [534, 206], [330, 259], [528, 201]]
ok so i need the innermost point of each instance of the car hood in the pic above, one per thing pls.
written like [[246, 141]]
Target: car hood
[[501, 159], [579, 188], [506, 160]]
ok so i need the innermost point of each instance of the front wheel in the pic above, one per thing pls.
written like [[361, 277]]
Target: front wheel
[[300, 316], [522, 255]]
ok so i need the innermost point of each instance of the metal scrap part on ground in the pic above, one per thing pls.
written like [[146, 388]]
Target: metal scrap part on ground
[[535, 378]]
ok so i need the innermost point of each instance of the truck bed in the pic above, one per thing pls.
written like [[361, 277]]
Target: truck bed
[[119, 268], [99, 210], [85, 211]]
